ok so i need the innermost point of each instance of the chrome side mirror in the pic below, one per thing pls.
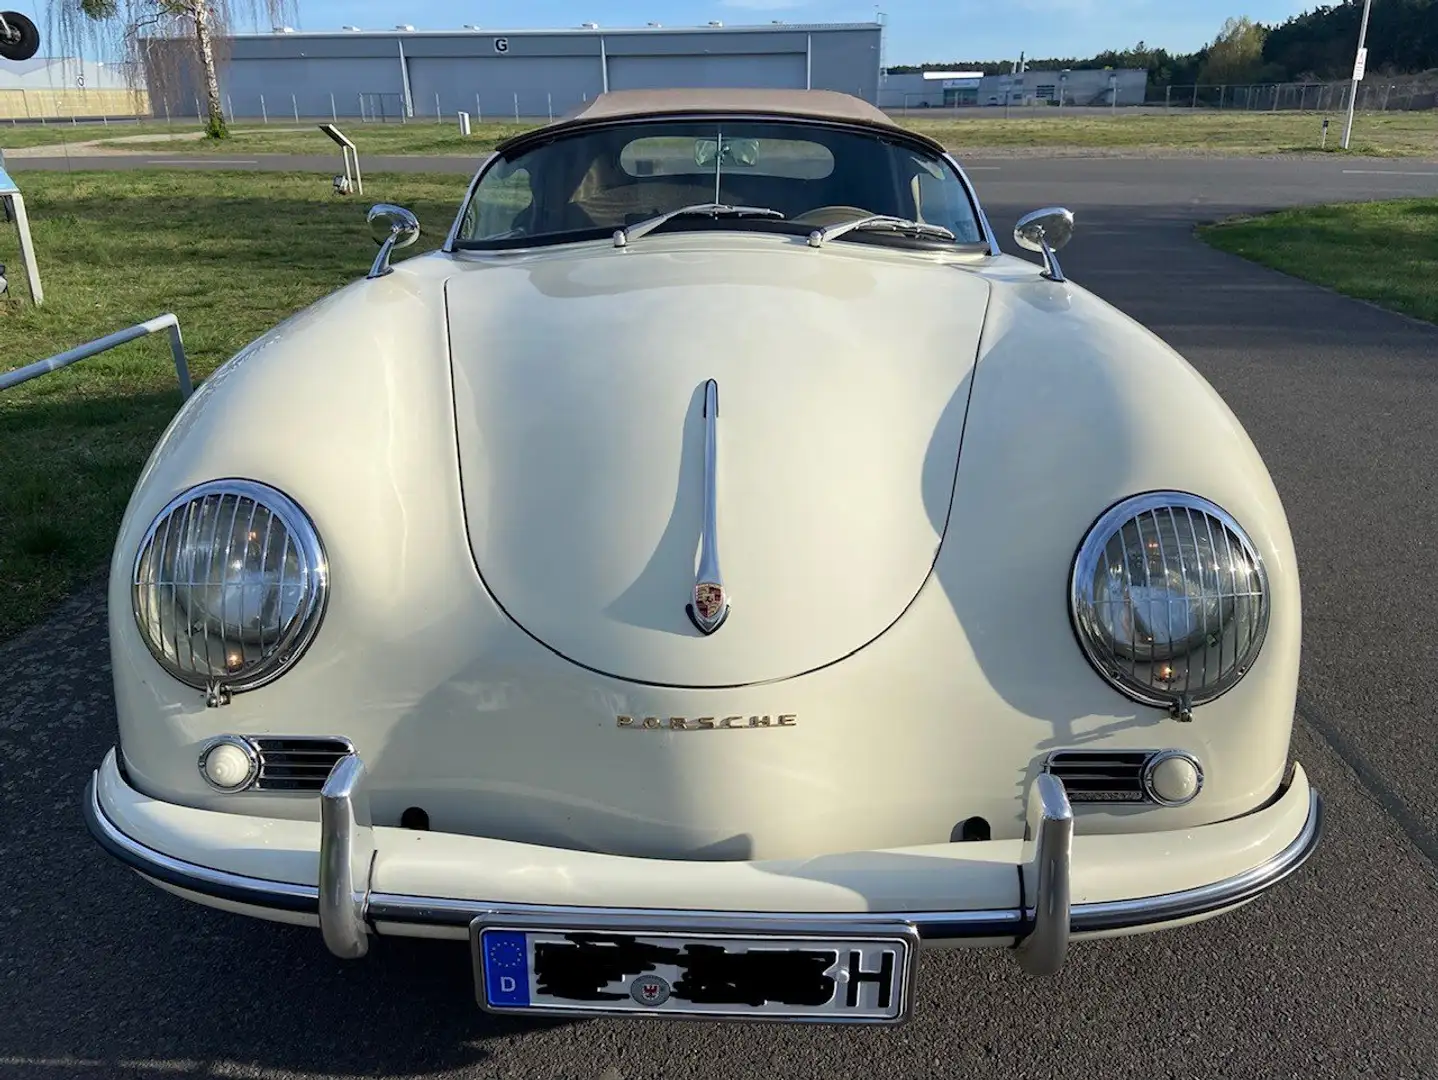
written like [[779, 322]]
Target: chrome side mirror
[[1046, 230], [393, 227]]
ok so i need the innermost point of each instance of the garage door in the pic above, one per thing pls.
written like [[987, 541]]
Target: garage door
[[534, 84], [768, 71]]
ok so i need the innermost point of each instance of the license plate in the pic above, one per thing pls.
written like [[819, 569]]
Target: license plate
[[738, 969]]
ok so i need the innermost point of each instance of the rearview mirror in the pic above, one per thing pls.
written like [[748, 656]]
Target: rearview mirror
[[737, 152], [1047, 231]]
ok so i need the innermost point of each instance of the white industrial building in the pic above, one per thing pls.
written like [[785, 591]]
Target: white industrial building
[[404, 73], [957, 89], [61, 73]]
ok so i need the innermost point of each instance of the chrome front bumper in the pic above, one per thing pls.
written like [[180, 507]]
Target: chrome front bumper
[[348, 909]]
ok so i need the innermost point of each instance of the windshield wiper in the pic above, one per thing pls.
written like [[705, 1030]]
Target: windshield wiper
[[716, 210], [819, 237]]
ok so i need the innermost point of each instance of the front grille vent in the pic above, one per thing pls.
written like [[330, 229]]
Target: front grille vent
[[1113, 776], [296, 763]]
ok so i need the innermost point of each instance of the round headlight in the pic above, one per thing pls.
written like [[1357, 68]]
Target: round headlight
[[229, 585], [1169, 599]]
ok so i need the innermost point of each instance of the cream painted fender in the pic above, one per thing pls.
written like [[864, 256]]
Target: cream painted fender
[[348, 408]]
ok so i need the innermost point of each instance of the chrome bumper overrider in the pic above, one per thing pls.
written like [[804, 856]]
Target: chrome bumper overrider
[[1040, 928]]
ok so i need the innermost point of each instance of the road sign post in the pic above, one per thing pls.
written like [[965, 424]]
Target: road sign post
[[1360, 62]]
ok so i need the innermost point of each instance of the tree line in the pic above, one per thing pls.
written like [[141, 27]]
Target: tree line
[[1315, 46]]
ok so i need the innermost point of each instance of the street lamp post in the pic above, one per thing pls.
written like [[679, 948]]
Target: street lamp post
[[1359, 63]]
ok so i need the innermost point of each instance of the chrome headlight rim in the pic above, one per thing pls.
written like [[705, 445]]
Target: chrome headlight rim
[[292, 644], [1081, 606]]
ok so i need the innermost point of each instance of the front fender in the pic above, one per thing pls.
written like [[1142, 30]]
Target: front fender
[[1075, 407]]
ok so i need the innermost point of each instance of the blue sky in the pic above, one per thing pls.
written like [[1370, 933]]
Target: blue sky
[[919, 30]]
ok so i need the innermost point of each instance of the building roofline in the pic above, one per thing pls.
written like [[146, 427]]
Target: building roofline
[[563, 31]]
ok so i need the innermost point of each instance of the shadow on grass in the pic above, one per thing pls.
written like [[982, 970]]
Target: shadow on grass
[[67, 467]]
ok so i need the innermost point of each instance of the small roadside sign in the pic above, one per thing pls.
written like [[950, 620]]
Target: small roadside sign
[[1360, 64]]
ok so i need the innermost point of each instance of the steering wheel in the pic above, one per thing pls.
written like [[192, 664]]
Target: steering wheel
[[830, 215]]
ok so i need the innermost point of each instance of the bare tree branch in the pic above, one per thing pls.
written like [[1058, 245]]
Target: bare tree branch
[[172, 48]]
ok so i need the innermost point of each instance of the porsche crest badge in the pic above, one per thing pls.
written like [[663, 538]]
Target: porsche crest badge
[[710, 607]]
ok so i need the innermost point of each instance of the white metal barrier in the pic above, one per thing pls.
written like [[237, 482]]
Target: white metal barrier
[[166, 321], [14, 204], [351, 181]]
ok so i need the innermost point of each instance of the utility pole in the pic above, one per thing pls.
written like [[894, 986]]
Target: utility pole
[[1360, 61]]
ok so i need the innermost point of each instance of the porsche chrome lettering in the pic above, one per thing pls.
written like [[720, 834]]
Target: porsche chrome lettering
[[706, 723]]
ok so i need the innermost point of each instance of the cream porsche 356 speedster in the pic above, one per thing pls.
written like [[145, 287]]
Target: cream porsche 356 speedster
[[712, 575]]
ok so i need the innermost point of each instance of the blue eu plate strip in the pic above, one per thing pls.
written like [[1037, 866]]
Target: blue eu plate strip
[[506, 967]]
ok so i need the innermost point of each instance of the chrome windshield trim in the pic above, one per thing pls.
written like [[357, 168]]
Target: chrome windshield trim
[[990, 237], [1011, 923], [709, 604]]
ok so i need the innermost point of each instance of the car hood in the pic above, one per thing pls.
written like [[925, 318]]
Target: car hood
[[843, 381]]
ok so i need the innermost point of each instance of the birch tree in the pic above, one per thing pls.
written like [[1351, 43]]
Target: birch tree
[[171, 39]]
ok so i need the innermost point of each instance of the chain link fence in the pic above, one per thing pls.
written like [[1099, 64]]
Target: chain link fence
[[1375, 94]]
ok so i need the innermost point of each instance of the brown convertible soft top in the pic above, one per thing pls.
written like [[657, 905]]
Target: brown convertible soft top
[[815, 104], [622, 105]]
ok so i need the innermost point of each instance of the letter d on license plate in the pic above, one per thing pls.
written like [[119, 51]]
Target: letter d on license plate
[[753, 969]]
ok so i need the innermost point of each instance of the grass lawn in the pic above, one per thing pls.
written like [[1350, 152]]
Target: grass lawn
[[230, 253], [19, 136], [1386, 252], [1234, 132]]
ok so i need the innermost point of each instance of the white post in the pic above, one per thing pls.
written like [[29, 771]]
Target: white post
[[231, 106], [604, 64], [516, 106], [549, 99], [27, 248], [478, 109], [334, 119], [264, 112], [438, 116], [362, 115], [1358, 59], [296, 106], [809, 62]]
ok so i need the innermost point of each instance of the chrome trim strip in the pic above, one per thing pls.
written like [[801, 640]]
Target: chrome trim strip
[[708, 577], [932, 925], [347, 854], [220, 884], [973, 193], [1048, 855], [1239, 889]]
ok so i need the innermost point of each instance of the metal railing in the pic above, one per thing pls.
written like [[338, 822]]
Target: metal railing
[[166, 321]]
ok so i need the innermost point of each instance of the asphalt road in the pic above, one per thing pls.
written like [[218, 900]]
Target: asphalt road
[[1335, 974]]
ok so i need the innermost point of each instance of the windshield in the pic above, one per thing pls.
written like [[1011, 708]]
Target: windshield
[[588, 184]]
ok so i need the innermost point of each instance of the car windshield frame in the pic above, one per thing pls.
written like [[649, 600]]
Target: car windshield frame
[[892, 139]]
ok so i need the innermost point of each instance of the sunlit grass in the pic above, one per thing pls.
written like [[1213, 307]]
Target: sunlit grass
[[1386, 252], [1233, 132], [230, 253]]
